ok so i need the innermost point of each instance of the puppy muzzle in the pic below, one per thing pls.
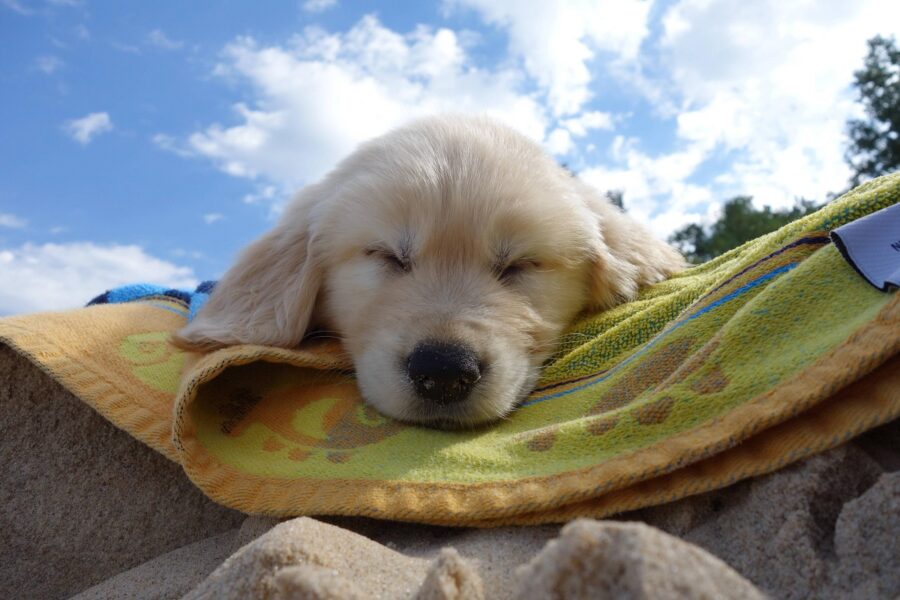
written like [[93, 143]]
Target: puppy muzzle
[[443, 373]]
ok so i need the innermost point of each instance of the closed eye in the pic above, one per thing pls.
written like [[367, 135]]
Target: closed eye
[[399, 264], [510, 272]]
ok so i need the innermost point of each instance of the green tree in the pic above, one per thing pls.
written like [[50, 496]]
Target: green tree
[[875, 141], [740, 222], [616, 197]]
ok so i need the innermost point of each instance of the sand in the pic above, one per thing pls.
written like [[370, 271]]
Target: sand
[[89, 512]]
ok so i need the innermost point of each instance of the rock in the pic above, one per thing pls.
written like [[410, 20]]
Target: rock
[[253, 571], [867, 544], [81, 500], [493, 553], [252, 528], [776, 530], [451, 578], [309, 582], [605, 559]]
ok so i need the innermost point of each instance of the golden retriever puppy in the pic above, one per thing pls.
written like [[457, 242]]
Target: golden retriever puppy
[[449, 255]]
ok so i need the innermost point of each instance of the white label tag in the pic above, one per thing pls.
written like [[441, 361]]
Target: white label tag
[[872, 246]]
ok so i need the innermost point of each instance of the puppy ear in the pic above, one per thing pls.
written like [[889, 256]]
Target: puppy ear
[[268, 296], [628, 255]]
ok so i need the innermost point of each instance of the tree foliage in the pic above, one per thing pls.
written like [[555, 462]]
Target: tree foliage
[[740, 222], [616, 197], [875, 141], [874, 150]]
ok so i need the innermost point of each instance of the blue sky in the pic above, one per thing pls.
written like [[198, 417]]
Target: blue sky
[[150, 141]]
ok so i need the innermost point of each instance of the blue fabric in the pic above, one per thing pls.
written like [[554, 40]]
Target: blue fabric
[[142, 291], [197, 302]]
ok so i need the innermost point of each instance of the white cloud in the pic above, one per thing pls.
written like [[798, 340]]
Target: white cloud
[[746, 98], [60, 276], [171, 144], [210, 218], [263, 193], [48, 64], [128, 48], [557, 42], [760, 90], [159, 39], [317, 6], [12, 221], [85, 129], [16, 6], [655, 189], [775, 91], [322, 94], [580, 125], [559, 142]]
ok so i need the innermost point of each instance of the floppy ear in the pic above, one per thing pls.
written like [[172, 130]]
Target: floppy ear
[[627, 257], [268, 296]]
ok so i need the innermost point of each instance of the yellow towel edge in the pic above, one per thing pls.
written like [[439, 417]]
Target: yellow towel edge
[[414, 501]]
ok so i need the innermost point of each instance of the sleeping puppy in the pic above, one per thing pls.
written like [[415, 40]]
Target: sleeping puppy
[[449, 255]]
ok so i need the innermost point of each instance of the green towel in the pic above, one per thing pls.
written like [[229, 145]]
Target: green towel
[[769, 353]]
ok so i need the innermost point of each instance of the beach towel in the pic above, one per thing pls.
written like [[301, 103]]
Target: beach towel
[[770, 353]]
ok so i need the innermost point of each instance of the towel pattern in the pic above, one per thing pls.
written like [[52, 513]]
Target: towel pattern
[[769, 353]]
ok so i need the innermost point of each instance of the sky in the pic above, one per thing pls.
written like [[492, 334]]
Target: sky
[[151, 141]]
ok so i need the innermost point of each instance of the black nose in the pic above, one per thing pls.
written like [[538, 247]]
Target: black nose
[[442, 372]]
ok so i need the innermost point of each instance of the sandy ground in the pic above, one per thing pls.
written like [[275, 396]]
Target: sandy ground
[[90, 512]]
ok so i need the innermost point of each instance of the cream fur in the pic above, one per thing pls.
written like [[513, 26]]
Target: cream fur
[[405, 240]]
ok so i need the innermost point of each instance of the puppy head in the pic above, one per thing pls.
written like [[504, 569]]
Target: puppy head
[[449, 255]]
